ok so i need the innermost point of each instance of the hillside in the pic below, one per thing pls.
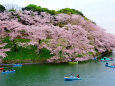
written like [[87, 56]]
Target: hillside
[[55, 38]]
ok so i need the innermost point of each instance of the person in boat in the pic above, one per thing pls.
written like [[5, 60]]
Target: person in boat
[[106, 64], [113, 64], [104, 58], [71, 76], [9, 70], [4, 70], [78, 76], [111, 59]]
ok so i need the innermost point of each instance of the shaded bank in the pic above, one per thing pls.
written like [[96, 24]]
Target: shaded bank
[[44, 61]]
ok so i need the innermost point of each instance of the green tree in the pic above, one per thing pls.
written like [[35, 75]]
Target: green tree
[[39, 9], [70, 11], [2, 8], [32, 7], [12, 10]]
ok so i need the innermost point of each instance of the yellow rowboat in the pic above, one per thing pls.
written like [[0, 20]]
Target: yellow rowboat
[[73, 62]]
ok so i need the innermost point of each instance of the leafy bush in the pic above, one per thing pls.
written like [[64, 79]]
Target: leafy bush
[[39, 9], [79, 55], [2, 8], [70, 11], [90, 53], [12, 10]]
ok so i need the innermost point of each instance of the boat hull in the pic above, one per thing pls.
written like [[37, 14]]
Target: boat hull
[[16, 65], [110, 66], [71, 79], [1, 68], [7, 72]]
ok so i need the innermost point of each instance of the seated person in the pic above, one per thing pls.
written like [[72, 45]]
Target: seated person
[[71, 76], [104, 58], [4, 71], [113, 64], [111, 58], [12, 70], [78, 76], [106, 64]]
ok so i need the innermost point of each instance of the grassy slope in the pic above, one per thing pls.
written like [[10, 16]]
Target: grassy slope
[[22, 53]]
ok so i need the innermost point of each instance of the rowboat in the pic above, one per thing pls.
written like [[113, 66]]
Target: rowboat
[[111, 66], [1, 68], [73, 62], [7, 72], [16, 65], [71, 78], [106, 59]]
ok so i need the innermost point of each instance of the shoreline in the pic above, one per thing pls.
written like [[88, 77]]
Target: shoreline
[[20, 63], [30, 62], [79, 62]]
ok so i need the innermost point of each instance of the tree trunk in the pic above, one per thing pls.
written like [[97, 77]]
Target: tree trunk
[[15, 46], [38, 49]]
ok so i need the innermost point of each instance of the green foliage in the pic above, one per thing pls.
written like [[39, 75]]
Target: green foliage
[[45, 53], [10, 43], [32, 7], [28, 53], [70, 11], [19, 19], [78, 12], [22, 54], [53, 12], [96, 50], [45, 41], [2, 8], [79, 55], [39, 9], [90, 53], [60, 54], [22, 40], [12, 10]]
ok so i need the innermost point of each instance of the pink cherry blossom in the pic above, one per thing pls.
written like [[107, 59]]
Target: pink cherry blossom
[[71, 35]]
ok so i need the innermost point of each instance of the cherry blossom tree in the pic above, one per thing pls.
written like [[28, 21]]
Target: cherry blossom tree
[[2, 50], [68, 37]]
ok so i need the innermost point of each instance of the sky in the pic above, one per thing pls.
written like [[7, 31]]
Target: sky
[[100, 11]]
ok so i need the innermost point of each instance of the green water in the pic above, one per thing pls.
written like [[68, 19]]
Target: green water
[[92, 73]]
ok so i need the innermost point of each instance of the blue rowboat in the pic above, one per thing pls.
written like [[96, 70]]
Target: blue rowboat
[[71, 79], [7, 72], [111, 66], [106, 59], [16, 65]]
